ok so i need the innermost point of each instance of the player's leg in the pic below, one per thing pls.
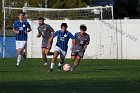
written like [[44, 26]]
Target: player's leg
[[77, 60], [44, 57], [62, 57], [76, 63], [19, 53], [73, 57], [45, 52], [24, 52], [19, 47], [74, 53], [56, 53], [61, 61]]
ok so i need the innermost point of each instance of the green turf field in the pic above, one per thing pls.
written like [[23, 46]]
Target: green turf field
[[92, 76]]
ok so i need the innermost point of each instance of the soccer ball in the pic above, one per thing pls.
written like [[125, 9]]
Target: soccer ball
[[66, 67]]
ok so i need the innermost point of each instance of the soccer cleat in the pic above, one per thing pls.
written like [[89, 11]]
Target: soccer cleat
[[24, 55], [17, 65], [50, 71], [72, 69], [45, 64], [59, 68]]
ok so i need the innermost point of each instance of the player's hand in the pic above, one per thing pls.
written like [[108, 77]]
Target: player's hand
[[17, 32], [26, 31], [38, 36], [85, 46], [48, 46]]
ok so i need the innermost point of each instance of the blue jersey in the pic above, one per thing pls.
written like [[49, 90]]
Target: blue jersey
[[62, 39], [21, 27]]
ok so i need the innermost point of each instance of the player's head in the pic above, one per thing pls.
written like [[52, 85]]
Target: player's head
[[21, 15], [83, 28], [64, 26], [41, 20], [24, 14]]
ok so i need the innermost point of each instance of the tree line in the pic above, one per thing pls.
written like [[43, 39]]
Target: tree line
[[40, 3]]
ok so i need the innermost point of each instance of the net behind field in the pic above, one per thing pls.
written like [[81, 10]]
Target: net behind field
[[11, 14], [88, 13], [55, 14]]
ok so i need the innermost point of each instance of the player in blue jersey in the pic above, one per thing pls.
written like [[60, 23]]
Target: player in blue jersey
[[20, 28], [61, 47]]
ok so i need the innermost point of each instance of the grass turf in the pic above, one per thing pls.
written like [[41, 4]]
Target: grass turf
[[92, 76]]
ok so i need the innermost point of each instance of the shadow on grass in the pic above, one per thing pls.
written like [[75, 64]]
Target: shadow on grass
[[71, 86]]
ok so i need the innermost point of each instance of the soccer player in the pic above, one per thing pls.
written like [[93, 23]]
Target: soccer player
[[82, 40], [20, 28], [61, 47], [46, 31]]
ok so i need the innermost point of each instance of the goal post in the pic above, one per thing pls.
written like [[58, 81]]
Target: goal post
[[90, 16], [87, 13]]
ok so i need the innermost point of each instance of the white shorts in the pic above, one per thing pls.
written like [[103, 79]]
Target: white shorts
[[60, 51], [20, 44]]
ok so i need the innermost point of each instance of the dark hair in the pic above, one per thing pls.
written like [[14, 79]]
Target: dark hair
[[83, 27], [64, 24], [23, 13], [41, 18]]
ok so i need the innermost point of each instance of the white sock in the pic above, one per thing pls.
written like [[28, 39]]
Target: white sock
[[52, 65], [59, 64], [18, 59]]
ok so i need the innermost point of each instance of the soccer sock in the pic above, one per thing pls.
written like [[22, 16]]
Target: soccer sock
[[52, 65], [74, 66], [18, 59], [59, 64], [45, 59]]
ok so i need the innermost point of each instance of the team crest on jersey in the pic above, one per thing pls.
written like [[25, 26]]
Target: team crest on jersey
[[23, 25], [81, 42], [62, 38], [42, 33], [20, 28], [65, 35]]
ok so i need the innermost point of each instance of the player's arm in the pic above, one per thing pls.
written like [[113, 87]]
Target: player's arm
[[50, 41], [28, 28], [38, 36], [85, 46], [54, 34], [15, 30], [87, 43], [73, 40]]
